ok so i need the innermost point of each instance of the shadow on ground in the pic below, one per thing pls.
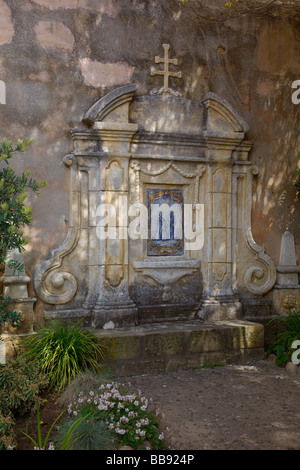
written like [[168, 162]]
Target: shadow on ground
[[253, 406]]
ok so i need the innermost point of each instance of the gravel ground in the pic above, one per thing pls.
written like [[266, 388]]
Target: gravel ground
[[252, 406]]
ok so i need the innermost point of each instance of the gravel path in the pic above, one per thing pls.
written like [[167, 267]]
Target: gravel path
[[253, 406]]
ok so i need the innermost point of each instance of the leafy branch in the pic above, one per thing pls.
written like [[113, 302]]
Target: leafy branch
[[14, 213]]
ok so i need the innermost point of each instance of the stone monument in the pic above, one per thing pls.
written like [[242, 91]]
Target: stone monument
[[160, 214]]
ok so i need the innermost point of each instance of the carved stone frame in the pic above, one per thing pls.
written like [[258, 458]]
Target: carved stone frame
[[89, 277]]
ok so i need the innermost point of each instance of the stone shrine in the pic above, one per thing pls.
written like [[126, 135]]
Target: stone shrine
[[165, 146], [160, 226]]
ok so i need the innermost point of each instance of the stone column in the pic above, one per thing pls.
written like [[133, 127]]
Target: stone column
[[220, 302], [113, 306], [224, 132]]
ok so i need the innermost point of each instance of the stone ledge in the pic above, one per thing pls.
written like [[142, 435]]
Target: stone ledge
[[163, 347]]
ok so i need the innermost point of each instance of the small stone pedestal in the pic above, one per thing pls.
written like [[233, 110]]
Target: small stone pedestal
[[15, 286], [286, 292]]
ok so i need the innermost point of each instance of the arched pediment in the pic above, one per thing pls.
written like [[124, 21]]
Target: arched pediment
[[221, 117], [113, 106]]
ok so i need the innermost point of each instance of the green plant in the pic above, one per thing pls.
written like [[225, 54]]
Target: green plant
[[14, 214], [289, 331], [7, 436], [62, 351], [20, 385], [127, 415], [67, 442], [89, 434]]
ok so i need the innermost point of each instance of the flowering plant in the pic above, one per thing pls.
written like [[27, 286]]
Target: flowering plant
[[126, 414]]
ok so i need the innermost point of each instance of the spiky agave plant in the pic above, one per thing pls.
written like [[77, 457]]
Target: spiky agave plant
[[62, 351]]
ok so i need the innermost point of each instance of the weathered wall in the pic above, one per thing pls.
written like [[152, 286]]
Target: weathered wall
[[58, 57]]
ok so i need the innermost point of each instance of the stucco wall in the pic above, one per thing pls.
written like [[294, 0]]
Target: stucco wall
[[58, 57]]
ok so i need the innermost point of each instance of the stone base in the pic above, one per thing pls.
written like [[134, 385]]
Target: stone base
[[114, 316], [285, 298], [25, 308], [68, 316], [9, 345], [167, 313], [166, 347], [256, 306], [101, 316], [10, 335], [220, 308]]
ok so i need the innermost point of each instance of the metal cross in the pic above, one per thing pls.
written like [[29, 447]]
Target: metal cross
[[166, 73]]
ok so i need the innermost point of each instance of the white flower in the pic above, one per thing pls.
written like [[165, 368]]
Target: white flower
[[51, 446], [161, 436], [124, 418], [120, 431], [102, 406]]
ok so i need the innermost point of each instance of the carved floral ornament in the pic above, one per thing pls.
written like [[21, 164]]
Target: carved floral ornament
[[81, 274]]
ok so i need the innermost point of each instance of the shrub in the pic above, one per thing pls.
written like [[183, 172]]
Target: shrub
[[7, 436], [62, 351], [127, 415], [14, 214], [289, 331], [20, 385]]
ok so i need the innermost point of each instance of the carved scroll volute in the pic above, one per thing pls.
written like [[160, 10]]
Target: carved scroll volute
[[53, 285], [260, 277]]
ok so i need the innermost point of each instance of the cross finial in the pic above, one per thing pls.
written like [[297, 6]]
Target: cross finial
[[166, 72]]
